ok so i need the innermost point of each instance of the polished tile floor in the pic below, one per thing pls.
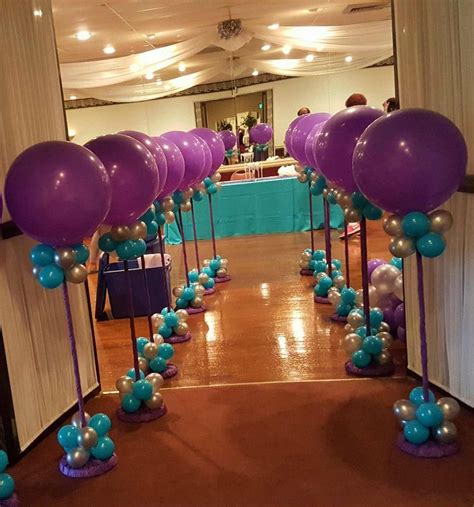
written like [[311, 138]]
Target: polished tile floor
[[263, 326]]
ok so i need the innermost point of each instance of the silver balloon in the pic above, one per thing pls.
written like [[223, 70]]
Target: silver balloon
[[87, 438], [186, 206], [216, 177], [384, 327], [334, 298], [303, 264], [392, 225], [339, 282], [181, 329], [306, 256], [143, 365], [383, 278], [355, 319], [218, 186], [178, 291], [384, 357], [221, 273], [156, 401], [446, 433], [402, 246], [182, 315], [150, 350], [138, 230], [78, 457], [77, 274], [197, 302], [120, 233], [199, 290], [203, 278], [351, 215], [158, 339], [405, 410], [169, 217], [65, 258], [450, 408], [124, 384], [386, 338], [157, 319], [348, 327], [352, 342], [398, 287], [206, 262], [224, 263], [319, 276], [168, 204], [441, 221], [76, 419], [156, 380]]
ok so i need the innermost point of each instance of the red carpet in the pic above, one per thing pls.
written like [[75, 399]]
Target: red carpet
[[306, 444]]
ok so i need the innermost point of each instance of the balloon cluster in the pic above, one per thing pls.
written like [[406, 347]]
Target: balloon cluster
[[304, 173], [212, 184], [7, 484], [423, 420], [80, 443], [182, 199], [318, 185], [149, 219], [127, 240], [189, 296], [356, 206], [216, 267], [142, 392], [367, 348], [418, 231], [169, 322], [51, 266], [152, 355], [201, 278], [343, 300], [319, 265]]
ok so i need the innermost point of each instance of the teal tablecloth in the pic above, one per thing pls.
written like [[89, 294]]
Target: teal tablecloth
[[265, 206]]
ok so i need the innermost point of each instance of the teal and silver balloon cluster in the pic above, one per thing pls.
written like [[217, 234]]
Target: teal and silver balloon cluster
[[427, 420], [418, 231], [215, 267], [7, 483], [319, 265], [343, 300], [82, 443], [182, 199], [212, 184], [367, 348], [356, 206], [169, 322], [202, 278], [153, 356], [164, 212], [304, 173], [143, 392], [128, 241], [260, 148], [189, 296], [51, 266]]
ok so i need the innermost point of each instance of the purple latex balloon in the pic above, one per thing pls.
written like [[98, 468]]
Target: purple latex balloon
[[58, 192], [410, 160], [228, 138], [193, 153], [308, 146], [207, 159], [261, 133], [373, 264], [399, 315], [133, 175], [301, 132], [389, 317], [401, 334], [336, 142], [175, 163], [216, 145], [155, 150], [289, 133]]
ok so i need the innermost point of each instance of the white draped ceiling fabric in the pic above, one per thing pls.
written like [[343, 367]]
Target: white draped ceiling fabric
[[366, 43]]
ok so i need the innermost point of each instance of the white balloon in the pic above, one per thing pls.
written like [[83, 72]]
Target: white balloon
[[383, 278]]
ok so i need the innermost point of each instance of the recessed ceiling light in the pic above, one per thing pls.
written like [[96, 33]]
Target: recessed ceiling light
[[309, 58], [83, 35], [38, 13], [274, 26], [286, 50], [266, 47], [181, 67], [134, 67], [149, 75], [109, 50], [72, 97], [348, 59], [255, 72]]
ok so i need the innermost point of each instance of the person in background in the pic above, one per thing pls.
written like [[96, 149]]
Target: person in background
[[391, 104], [304, 110]]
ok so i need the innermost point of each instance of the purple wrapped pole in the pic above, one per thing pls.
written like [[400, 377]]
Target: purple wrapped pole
[[196, 247], [365, 273], [346, 255], [148, 301], [183, 243], [133, 334], [327, 235], [213, 234], [423, 343], [311, 215], [162, 254]]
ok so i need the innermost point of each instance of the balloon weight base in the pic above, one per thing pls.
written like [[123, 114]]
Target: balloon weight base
[[306, 272], [192, 311], [174, 338], [430, 449], [376, 370], [321, 300], [338, 318], [222, 279], [92, 468], [171, 371], [10, 502], [143, 414], [208, 292]]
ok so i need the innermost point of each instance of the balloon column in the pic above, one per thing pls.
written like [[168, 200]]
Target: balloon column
[[424, 156], [229, 140], [55, 178], [260, 135], [7, 484]]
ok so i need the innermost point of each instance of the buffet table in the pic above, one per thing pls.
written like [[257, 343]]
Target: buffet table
[[263, 206]]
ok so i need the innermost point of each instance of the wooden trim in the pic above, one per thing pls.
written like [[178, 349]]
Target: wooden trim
[[468, 186]]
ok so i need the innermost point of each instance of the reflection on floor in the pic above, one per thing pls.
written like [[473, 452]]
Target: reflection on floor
[[262, 326]]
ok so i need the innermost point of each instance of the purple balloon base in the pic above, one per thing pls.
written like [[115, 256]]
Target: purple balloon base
[[10, 502], [92, 468], [143, 414], [429, 449], [376, 370], [192, 311], [222, 279], [171, 371], [321, 300], [338, 318], [306, 272], [174, 338], [208, 292]]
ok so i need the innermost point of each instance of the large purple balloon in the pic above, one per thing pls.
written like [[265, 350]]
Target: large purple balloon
[[308, 146], [261, 133], [133, 174], [336, 142], [58, 192], [175, 163], [301, 132], [410, 160], [155, 150], [289, 133], [228, 138], [216, 145], [193, 153], [207, 159], [400, 315]]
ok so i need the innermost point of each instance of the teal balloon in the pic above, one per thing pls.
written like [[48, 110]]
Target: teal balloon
[[358, 200], [148, 217], [104, 449], [125, 250], [178, 197], [193, 275], [229, 153], [131, 374], [158, 364], [319, 255], [362, 331], [215, 264], [207, 181], [188, 294], [376, 317], [141, 342], [3, 461], [361, 359], [106, 243], [429, 414], [336, 263], [371, 212], [7, 486], [335, 273], [181, 304], [67, 436], [212, 189], [130, 403], [325, 283], [166, 351], [160, 219], [138, 247], [51, 276], [348, 296], [142, 389], [42, 255], [318, 186], [165, 311], [431, 245], [415, 432], [331, 198], [101, 423], [151, 229], [343, 309], [171, 320], [416, 396], [81, 252], [198, 196], [209, 272], [320, 291], [164, 330], [372, 345], [416, 224], [210, 284], [397, 262], [312, 265], [320, 266]]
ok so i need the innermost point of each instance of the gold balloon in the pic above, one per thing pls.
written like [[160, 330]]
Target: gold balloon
[[224, 263], [124, 384], [199, 290], [345, 200], [143, 365], [120, 233], [77, 274], [325, 192], [156, 380], [334, 298], [188, 193], [303, 264], [206, 262], [178, 291], [181, 329], [351, 215], [339, 282], [216, 177], [386, 338], [392, 225], [76, 419], [222, 272], [352, 342], [203, 278], [155, 402], [446, 433], [404, 410], [450, 407], [186, 206], [182, 315], [169, 217], [299, 168], [218, 186], [441, 221], [157, 319], [167, 204], [319, 276], [402, 246], [348, 328], [355, 319], [87, 438], [78, 457], [384, 327], [307, 256], [302, 178], [158, 339], [138, 230], [313, 176], [65, 258], [384, 357], [197, 302], [150, 350]]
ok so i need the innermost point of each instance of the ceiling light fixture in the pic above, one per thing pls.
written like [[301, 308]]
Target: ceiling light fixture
[[255, 72], [286, 50], [38, 13], [181, 67], [348, 59], [266, 47], [274, 26], [149, 75], [309, 58], [109, 50], [83, 35]]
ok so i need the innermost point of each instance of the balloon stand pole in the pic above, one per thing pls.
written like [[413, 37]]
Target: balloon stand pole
[[163, 264], [213, 232], [327, 235], [148, 300], [93, 467], [131, 310], [431, 448], [196, 246], [311, 224], [346, 256]]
